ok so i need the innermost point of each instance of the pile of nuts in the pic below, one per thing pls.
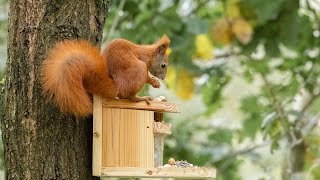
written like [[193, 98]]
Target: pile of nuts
[[178, 164]]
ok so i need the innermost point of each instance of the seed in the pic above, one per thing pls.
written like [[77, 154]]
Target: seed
[[171, 161]]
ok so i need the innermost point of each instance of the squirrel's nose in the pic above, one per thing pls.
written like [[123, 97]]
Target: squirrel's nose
[[161, 76]]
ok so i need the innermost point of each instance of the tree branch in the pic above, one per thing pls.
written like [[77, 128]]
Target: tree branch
[[312, 123], [280, 112], [227, 54], [233, 154], [279, 108], [230, 156], [310, 102]]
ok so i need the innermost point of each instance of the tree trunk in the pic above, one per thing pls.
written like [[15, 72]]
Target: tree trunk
[[294, 161], [39, 141]]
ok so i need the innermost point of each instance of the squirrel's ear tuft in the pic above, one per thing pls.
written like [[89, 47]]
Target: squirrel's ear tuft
[[163, 44], [165, 40]]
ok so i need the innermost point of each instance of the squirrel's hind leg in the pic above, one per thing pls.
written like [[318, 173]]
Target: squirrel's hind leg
[[138, 99]]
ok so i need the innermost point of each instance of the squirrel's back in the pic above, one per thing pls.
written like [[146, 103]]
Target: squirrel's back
[[125, 67]]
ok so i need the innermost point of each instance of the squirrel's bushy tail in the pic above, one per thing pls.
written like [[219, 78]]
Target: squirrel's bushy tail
[[63, 74]]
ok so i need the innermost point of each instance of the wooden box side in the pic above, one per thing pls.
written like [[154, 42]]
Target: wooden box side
[[127, 138], [97, 136]]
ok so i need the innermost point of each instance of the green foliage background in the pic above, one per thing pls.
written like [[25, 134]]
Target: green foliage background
[[279, 66]]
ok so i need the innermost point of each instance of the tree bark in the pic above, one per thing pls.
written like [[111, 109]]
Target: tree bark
[[39, 141], [294, 161]]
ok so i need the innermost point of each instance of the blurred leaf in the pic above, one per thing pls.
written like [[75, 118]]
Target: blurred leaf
[[143, 16], [252, 122], [183, 47], [248, 75], [315, 106], [233, 9], [274, 145], [221, 32], [290, 64], [288, 91], [272, 46], [197, 26], [251, 125], [260, 66], [171, 77], [289, 29], [265, 10], [242, 30], [249, 104], [221, 136], [168, 51], [185, 85], [204, 48], [231, 171], [211, 92]]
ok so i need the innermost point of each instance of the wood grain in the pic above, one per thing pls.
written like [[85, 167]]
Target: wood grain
[[127, 138], [165, 172], [157, 106], [97, 136], [161, 128]]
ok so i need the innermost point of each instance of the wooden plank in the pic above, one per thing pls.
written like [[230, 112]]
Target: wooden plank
[[97, 136], [158, 106], [127, 138], [107, 136], [163, 172], [161, 128]]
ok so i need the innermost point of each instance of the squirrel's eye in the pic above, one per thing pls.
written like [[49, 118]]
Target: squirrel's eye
[[163, 66]]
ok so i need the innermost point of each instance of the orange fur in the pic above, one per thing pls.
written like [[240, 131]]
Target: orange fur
[[128, 64], [75, 68]]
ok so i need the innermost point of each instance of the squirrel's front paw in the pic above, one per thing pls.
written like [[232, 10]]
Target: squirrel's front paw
[[155, 83]]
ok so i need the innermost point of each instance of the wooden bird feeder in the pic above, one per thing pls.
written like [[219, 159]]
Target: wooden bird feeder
[[128, 140]]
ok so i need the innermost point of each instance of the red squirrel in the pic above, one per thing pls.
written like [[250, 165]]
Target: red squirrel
[[75, 68]]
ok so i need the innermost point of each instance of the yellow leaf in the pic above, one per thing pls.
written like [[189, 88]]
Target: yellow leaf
[[180, 83], [221, 32], [171, 77], [168, 51], [233, 10], [204, 47], [242, 30], [185, 85]]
